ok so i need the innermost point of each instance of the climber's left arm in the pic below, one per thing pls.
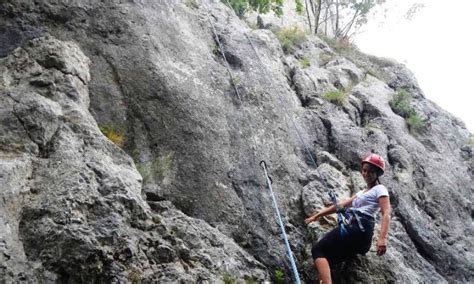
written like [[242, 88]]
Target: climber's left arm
[[385, 210]]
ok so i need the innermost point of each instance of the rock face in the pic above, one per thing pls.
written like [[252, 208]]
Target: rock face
[[72, 205], [184, 199]]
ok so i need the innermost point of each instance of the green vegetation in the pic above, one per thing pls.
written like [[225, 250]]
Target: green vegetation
[[370, 125], [415, 122], [325, 58], [249, 280], [134, 276], [260, 6], [342, 18], [135, 155], [192, 4], [371, 64], [235, 80], [304, 62], [279, 275], [342, 47], [290, 37], [228, 279], [381, 61], [216, 51], [299, 7], [144, 171], [371, 71], [114, 135], [400, 105], [240, 6], [336, 97]]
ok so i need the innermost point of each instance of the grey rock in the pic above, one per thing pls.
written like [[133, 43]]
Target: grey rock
[[345, 72], [399, 158], [192, 203], [399, 77], [324, 179], [74, 210], [326, 157]]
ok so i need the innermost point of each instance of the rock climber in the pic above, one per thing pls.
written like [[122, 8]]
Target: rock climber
[[355, 237]]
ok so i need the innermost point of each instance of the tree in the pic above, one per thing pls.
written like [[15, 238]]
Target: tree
[[317, 15], [239, 6], [342, 17], [356, 16], [315, 7], [299, 7], [260, 6]]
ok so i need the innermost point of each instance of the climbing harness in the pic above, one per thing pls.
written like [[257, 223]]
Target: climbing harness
[[342, 219], [344, 216]]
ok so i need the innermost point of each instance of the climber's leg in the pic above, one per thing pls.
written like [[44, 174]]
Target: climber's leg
[[324, 272]]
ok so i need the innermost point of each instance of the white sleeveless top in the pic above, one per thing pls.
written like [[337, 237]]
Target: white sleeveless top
[[368, 202]]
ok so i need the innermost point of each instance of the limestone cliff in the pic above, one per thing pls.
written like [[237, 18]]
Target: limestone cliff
[[183, 198]]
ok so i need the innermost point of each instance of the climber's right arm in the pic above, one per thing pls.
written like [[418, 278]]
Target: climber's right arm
[[329, 210]]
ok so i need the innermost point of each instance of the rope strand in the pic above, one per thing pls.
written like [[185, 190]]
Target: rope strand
[[282, 227]]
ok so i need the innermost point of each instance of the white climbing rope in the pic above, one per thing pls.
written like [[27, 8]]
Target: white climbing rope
[[232, 80]]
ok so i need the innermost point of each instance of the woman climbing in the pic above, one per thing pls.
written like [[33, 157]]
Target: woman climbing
[[355, 237]]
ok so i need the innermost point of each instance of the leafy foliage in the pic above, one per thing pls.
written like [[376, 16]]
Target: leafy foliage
[[401, 103], [279, 275], [235, 81], [336, 97], [249, 280], [134, 276], [113, 134], [239, 6], [299, 7], [341, 17], [305, 63], [192, 4], [260, 6], [228, 279], [290, 37], [325, 58], [341, 46], [415, 122]]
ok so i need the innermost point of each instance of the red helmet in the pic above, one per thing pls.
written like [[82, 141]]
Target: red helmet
[[375, 160]]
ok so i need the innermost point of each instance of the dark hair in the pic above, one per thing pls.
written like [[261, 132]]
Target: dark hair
[[375, 169]]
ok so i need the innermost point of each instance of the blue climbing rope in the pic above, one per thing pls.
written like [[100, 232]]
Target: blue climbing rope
[[275, 205], [282, 227]]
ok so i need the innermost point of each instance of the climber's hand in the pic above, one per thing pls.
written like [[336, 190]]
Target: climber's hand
[[311, 219], [381, 246]]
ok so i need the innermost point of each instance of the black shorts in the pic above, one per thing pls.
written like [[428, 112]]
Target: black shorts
[[337, 248]]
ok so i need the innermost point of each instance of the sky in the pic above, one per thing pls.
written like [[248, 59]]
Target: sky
[[436, 44]]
